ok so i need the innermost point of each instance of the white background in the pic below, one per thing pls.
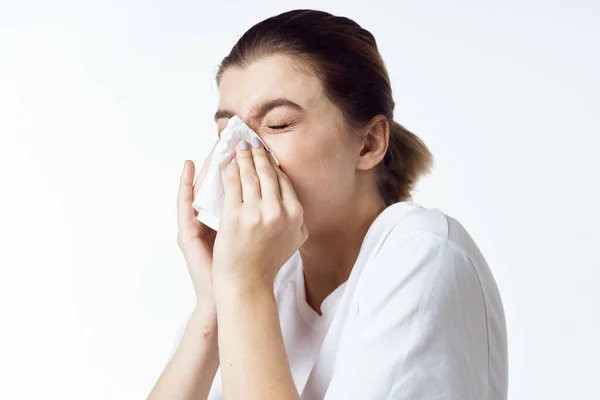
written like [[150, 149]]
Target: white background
[[101, 102]]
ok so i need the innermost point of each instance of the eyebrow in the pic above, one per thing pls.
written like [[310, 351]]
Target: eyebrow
[[261, 110]]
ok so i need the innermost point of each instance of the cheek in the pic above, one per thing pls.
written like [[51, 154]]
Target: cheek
[[317, 174], [317, 163]]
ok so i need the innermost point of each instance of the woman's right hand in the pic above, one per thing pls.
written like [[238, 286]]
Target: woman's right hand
[[195, 240]]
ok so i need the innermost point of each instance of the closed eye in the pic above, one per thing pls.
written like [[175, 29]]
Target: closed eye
[[279, 126]]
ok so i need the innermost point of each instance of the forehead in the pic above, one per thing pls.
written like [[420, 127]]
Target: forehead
[[242, 88]]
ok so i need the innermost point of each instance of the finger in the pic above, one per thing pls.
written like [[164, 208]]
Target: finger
[[185, 211], [304, 233], [272, 161], [288, 194], [232, 185], [269, 183], [248, 176]]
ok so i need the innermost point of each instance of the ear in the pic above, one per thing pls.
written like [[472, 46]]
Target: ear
[[375, 143]]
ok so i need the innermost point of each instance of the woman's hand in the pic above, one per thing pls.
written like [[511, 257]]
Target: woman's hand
[[261, 225], [195, 239]]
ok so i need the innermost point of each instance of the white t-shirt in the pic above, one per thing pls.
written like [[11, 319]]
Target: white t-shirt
[[420, 317]]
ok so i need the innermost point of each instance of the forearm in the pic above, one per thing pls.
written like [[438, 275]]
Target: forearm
[[190, 372], [254, 362]]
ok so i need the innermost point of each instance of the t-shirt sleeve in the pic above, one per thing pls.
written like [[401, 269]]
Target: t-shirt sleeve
[[420, 331]]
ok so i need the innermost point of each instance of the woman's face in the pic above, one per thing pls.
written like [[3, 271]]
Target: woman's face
[[288, 109]]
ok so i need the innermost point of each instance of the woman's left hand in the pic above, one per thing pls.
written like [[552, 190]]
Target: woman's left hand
[[261, 222]]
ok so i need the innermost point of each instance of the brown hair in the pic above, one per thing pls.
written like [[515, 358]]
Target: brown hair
[[346, 59]]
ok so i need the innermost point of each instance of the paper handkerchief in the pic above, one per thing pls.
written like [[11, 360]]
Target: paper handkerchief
[[209, 199]]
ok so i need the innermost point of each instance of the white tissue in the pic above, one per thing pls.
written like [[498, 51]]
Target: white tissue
[[209, 199]]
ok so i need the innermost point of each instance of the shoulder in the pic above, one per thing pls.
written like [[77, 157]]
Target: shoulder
[[409, 217], [409, 222], [428, 276], [421, 248]]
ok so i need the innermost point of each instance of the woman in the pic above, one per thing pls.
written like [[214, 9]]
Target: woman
[[325, 280]]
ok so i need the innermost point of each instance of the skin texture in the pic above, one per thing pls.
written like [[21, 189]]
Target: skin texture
[[321, 200]]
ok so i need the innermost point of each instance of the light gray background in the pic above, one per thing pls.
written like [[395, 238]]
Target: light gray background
[[101, 102]]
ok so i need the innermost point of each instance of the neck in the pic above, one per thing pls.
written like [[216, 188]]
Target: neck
[[328, 257]]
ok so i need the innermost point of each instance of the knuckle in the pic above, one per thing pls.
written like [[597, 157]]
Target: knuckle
[[249, 177], [258, 155], [230, 170], [296, 211], [243, 155], [266, 170], [228, 175], [273, 216], [276, 210], [276, 224], [252, 219]]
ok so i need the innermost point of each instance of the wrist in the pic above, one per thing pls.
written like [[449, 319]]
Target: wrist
[[245, 289], [206, 311]]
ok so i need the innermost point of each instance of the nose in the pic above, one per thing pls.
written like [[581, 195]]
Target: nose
[[250, 122]]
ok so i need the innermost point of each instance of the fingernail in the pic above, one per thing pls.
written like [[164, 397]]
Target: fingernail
[[234, 161], [255, 142], [243, 145]]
